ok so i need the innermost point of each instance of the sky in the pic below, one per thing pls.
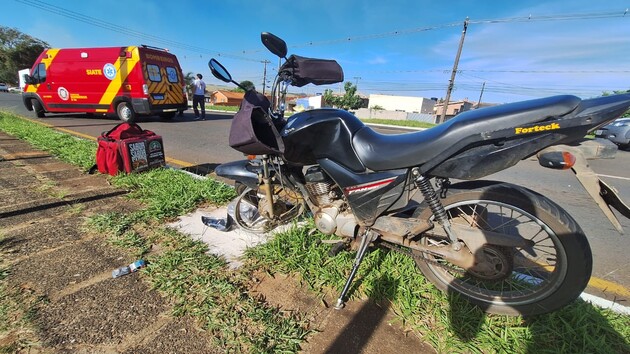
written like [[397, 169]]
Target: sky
[[514, 50]]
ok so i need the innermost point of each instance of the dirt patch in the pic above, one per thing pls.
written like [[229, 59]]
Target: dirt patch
[[41, 235], [66, 266], [104, 313], [180, 334], [361, 327], [10, 181]]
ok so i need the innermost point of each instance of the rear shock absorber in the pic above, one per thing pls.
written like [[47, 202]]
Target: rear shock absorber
[[427, 190]]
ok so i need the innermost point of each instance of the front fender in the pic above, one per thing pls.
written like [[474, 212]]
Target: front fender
[[243, 171]]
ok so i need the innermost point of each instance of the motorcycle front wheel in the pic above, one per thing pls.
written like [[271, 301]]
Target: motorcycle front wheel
[[250, 205], [513, 280]]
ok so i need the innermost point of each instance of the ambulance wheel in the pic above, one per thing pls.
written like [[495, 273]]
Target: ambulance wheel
[[168, 115], [37, 107], [125, 112]]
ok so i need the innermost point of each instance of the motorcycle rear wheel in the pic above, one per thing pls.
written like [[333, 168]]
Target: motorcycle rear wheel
[[521, 281]]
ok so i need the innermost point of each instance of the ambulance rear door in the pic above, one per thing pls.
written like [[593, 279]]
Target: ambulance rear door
[[163, 79]]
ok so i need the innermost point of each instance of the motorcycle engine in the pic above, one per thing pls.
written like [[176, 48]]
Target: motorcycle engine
[[329, 211]]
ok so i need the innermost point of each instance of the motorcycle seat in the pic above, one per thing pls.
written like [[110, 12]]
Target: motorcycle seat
[[380, 152]]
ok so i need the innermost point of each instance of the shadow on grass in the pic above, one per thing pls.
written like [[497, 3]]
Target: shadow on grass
[[578, 328], [358, 332]]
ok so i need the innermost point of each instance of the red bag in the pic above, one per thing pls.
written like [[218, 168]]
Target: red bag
[[129, 148]]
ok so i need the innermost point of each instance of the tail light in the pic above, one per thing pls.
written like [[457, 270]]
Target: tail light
[[558, 160], [145, 89]]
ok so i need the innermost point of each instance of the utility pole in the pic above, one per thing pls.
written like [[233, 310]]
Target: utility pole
[[264, 83], [481, 94], [451, 82], [356, 80]]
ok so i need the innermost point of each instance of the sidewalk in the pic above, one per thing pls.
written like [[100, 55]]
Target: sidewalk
[[61, 276]]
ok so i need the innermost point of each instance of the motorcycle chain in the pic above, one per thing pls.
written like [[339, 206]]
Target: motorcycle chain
[[398, 249]]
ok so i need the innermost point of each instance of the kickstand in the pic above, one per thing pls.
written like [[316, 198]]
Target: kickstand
[[365, 243]]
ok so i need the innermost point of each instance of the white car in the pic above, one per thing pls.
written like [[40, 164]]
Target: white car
[[618, 132], [4, 87], [15, 90]]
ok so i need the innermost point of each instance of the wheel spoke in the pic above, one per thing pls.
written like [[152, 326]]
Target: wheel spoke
[[532, 268]]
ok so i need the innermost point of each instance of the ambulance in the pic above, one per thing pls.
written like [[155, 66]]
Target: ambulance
[[124, 81]]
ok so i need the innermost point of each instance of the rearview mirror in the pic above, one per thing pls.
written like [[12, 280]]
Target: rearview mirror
[[29, 80], [274, 43], [219, 71]]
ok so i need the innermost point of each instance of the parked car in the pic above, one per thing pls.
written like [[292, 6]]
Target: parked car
[[618, 132], [4, 87], [15, 90]]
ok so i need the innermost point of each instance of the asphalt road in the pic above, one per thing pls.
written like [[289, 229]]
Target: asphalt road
[[201, 145]]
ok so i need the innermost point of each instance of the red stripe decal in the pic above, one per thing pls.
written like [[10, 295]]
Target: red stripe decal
[[368, 186]]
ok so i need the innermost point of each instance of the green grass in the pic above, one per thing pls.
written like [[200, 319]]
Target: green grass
[[402, 123], [70, 149], [201, 285], [169, 193]]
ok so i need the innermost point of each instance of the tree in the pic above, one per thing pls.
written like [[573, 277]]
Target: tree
[[189, 78], [377, 108], [247, 84], [350, 100], [329, 99], [17, 51]]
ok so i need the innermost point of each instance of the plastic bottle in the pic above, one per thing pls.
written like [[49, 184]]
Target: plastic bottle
[[124, 270]]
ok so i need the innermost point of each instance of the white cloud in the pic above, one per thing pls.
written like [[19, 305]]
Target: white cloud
[[379, 60]]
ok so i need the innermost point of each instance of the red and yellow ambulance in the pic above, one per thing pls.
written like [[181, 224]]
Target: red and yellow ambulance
[[126, 81]]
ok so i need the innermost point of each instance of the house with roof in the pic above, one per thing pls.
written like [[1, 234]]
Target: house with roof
[[453, 108], [225, 98]]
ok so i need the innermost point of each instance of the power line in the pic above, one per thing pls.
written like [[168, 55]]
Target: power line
[[549, 71], [124, 30], [530, 18]]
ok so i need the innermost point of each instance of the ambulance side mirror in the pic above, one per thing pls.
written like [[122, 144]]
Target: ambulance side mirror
[[29, 80]]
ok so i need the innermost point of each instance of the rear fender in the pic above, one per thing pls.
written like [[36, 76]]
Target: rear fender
[[605, 196]]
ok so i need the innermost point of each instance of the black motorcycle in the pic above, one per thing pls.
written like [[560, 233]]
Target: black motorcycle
[[503, 247]]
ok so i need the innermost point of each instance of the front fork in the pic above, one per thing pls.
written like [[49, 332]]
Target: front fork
[[268, 188]]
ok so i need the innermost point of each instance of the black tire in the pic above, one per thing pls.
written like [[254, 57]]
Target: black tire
[[239, 187], [125, 112], [536, 280], [168, 115], [38, 108]]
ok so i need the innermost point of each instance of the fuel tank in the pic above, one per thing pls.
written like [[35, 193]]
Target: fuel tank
[[322, 134]]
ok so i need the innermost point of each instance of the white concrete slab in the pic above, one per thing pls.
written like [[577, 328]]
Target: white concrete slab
[[230, 245]]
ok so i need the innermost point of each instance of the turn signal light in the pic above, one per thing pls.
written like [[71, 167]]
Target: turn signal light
[[251, 157], [558, 160]]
